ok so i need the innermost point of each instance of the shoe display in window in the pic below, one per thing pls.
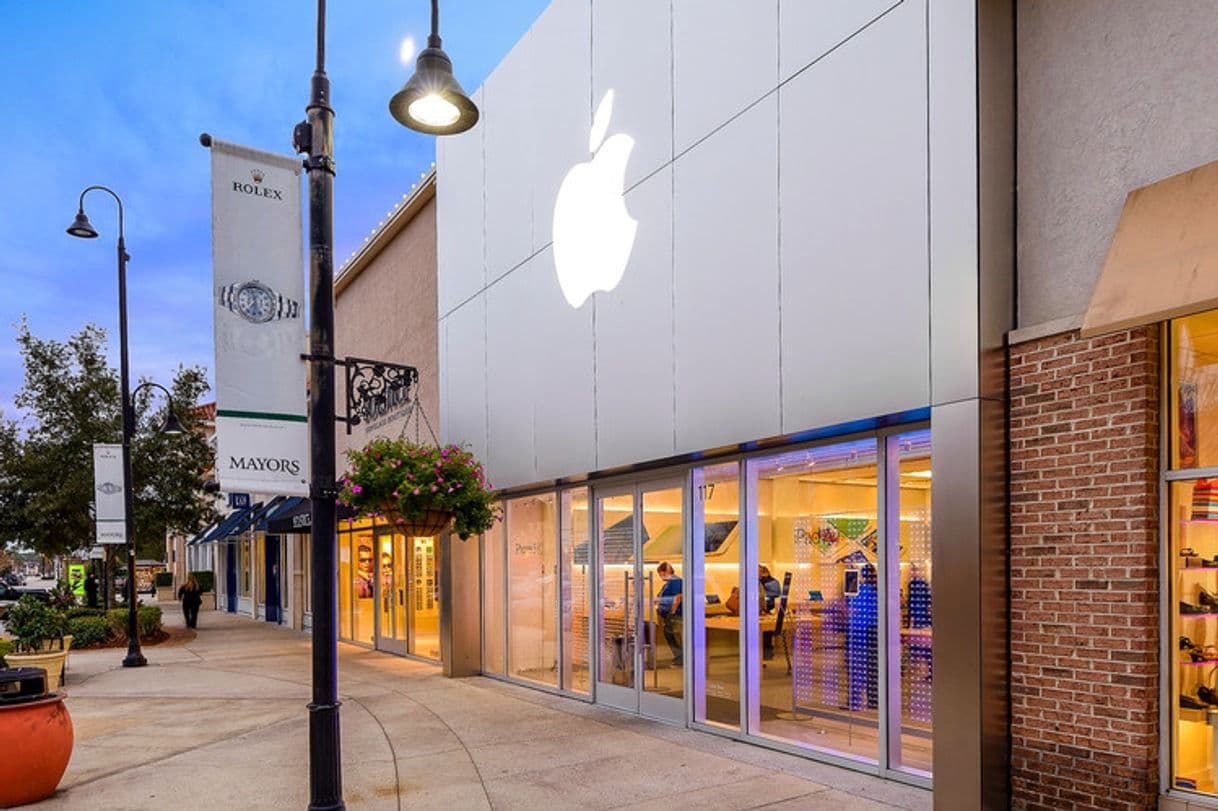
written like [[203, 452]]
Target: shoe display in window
[[1188, 608], [1207, 695], [1190, 703], [1187, 552], [1205, 598], [1194, 651]]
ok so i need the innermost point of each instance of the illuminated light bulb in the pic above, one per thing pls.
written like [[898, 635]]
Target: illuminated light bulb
[[434, 111]]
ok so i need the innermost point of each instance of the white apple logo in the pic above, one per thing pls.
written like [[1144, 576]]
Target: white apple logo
[[593, 233]]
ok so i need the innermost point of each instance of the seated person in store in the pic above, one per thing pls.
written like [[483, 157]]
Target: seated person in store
[[669, 609], [770, 591]]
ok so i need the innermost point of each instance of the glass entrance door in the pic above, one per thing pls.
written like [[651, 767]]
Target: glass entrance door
[[422, 596], [391, 593], [641, 666]]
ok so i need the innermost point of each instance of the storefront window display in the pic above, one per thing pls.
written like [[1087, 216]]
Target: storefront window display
[[1192, 569], [243, 567], [716, 522], [532, 555], [363, 606], [576, 589]]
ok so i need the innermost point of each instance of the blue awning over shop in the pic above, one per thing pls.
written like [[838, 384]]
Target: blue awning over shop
[[255, 519], [199, 538], [287, 505], [224, 529]]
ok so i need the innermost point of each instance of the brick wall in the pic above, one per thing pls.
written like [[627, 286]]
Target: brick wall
[[1084, 571]]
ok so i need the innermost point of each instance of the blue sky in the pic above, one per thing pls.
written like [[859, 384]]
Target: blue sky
[[116, 93]]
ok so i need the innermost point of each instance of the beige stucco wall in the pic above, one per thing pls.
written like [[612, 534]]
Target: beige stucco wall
[[388, 312], [1113, 95]]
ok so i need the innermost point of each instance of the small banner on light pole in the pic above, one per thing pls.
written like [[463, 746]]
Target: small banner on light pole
[[258, 305], [110, 505]]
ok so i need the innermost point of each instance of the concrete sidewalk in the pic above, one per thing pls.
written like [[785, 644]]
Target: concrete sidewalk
[[220, 722]]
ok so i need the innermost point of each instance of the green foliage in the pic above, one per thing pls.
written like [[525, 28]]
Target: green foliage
[[207, 580], [6, 648], [163, 579], [32, 622], [83, 611], [88, 631], [62, 596], [147, 621], [70, 400], [402, 479]]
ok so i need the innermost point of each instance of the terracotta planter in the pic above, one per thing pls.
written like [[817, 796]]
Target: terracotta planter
[[208, 601], [165, 594], [31, 771], [50, 661]]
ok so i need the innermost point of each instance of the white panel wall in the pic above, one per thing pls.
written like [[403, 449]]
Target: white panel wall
[[634, 332], [508, 137], [642, 97], [726, 300], [725, 57], [561, 98], [463, 376], [460, 217], [778, 279], [512, 366], [563, 384], [808, 30], [855, 293]]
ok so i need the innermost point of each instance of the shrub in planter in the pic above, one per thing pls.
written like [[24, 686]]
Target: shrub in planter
[[61, 596], [84, 611], [206, 579], [147, 621], [88, 631], [163, 579], [6, 648], [414, 486], [33, 622]]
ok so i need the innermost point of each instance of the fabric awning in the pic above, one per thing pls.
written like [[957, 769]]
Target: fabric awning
[[1163, 260], [199, 538], [224, 528]]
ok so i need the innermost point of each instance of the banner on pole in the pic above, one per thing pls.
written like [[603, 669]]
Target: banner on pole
[[110, 505], [258, 307]]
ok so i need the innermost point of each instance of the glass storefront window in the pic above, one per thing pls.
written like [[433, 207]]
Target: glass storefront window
[[1192, 569], [243, 567], [494, 614], [423, 595], [344, 585], [532, 556], [716, 524], [817, 598], [911, 580], [1194, 391], [363, 607], [576, 585]]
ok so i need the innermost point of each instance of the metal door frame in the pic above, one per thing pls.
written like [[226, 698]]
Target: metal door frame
[[389, 643], [635, 698]]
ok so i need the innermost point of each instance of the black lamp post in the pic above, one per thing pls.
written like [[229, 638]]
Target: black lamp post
[[420, 105], [81, 227]]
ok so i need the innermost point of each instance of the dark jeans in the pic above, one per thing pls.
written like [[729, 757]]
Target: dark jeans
[[192, 614], [670, 625]]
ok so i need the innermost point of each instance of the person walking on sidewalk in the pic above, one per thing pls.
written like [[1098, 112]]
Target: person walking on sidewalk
[[192, 597]]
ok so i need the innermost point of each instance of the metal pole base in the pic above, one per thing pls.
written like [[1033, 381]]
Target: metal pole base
[[134, 660], [325, 773]]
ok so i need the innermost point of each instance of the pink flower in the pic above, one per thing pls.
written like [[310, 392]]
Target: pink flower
[[355, 488], [450, 489], [395, 494], [434, 488], [416, 491]]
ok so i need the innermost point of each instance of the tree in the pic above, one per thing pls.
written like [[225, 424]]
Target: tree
[[69, 401]]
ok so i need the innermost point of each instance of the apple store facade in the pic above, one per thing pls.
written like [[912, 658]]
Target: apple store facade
[[722, 296]]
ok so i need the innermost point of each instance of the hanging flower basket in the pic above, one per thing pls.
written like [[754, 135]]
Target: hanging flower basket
[[419, 489], [427, 524]]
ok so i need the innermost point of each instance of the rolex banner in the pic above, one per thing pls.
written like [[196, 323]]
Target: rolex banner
[[110, 505], [257, 301]]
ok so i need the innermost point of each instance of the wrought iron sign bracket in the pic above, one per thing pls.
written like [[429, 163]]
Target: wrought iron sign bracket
[[375, 388]]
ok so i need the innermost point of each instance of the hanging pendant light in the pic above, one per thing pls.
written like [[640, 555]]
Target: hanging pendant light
[[433, 101]]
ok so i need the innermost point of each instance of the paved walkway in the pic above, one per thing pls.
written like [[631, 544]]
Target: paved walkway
[[220, 723]]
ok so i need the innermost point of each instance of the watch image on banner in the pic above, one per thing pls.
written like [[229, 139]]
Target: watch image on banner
[[109, 504], [257, 297]]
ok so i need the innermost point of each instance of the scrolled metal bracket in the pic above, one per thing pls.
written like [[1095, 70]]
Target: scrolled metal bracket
[[376, 389]]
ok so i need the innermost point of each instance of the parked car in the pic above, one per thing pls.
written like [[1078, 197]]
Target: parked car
[[14, 579], [8, 596]]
